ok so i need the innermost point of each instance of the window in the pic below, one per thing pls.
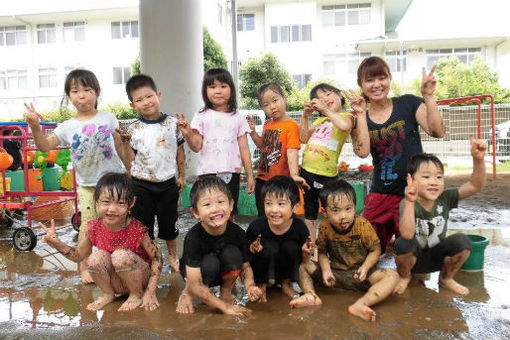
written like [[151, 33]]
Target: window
[[47, 77], [13, 35], [124, 29], [74, 31], [346, 15], [13, 79], [121, 74], [343, 63], [220, 14], [396, 61], [245, 22], [301, 79], [291, 33], [466, 55], [46, 33]]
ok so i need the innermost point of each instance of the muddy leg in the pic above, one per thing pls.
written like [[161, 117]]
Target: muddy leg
[[226, 289], [82, 266], [172, 255], [309, 298], [451, 266], [263, 288], [100, 267], [185, 303], [405, 262], [133, 273]]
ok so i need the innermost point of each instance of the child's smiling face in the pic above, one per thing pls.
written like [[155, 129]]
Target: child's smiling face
[[340, 211], [213, 209], [113, 210], [273, 105], [429, 182], [146, 102], [331, 99], [279, 210]]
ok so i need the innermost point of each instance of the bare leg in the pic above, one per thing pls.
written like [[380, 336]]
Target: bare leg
[[451, 266], [82, 266], [101, 270], [226, 290], [172, 255], [287, 288], [309, 298], [405, 262], [383, 283], [263, 288], [185, 303], [311, 224]]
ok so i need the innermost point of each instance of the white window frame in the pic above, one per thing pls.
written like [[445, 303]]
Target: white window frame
[[13, 79], [342, 15], [126, 30], [74, 29], [285, 33], [396, 60], [46, 34], [346, 63], [433, 55], [47, 77], [245, 22], [18, 35], [125, 74]]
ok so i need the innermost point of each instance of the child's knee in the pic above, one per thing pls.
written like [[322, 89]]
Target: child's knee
[[99, 261], [123, 259]]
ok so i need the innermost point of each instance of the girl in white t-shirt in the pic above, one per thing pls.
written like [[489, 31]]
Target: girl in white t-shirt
[[219, 132], [93, 140]]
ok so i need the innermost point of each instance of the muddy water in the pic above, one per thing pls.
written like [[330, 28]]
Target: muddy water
[[41, 297]]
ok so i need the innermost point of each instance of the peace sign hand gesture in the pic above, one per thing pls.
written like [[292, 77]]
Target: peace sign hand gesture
[[358, 103], [428, 82], [32, 117], [50, 237], [183, 124]]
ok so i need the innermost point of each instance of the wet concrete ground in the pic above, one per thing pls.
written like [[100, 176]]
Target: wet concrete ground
[[41, 297]]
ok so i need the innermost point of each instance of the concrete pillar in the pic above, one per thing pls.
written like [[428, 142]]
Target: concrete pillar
[[171, 52]]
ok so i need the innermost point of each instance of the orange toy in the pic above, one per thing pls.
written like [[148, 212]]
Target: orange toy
[[52, 155], [30, 157], [5, 160], [343, 166]]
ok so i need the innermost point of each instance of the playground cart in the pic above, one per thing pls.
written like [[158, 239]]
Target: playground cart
[[30, 198]]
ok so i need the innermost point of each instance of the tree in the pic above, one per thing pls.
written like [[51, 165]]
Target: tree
[[135, 66], [213, 54], [258, 71]]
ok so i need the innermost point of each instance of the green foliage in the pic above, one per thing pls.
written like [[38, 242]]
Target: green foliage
[[59, 115], [213, 53], [414, 87], [396, 89], [121, 111], [135, 67], [258, 71]]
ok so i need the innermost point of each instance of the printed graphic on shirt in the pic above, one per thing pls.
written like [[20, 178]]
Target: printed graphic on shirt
[[271, 149], [428, 231], [388, 143], [86, 145]]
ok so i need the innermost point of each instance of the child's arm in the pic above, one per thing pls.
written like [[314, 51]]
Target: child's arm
[[359, 133], [193, 138], [149, 300], [43, 143], [407, 224], [305, 132], [327, 275], [307, 250], [370, 261], [254, 292], [343, 123], [200, 290], [428, 115], [244, 151], [478, 177], [181, 166], [121, 140], [76, 255], [257, 140], [293, 159]]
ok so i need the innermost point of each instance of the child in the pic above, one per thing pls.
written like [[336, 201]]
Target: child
[[279, 145], [218, 132], [348, 252], [276, 239], [127, 261], [13, 148], [325, 139], [393, 125], [154, 155], [93, 140], [423, 246], [215, 251]]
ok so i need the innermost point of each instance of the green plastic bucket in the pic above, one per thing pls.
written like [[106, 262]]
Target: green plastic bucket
[[474, 262], [50, 179], [359, 190], [17, 180], [246, 204], [185, 199]]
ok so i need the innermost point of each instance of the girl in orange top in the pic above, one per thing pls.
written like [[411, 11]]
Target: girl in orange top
[[279, 144]]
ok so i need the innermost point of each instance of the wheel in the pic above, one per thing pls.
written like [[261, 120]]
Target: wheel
[[24, 239], [76, 224], [6, 220]]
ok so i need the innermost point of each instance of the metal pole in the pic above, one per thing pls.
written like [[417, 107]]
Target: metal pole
[[235, 73]]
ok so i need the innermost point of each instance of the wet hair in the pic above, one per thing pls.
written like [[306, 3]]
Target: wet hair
[[281, 186], [117, 185], [324, 88], [372, 67], [223, 76], [414, 163], [208, 183], [83, 77], [275, 87], [337, 188], [138, 81]]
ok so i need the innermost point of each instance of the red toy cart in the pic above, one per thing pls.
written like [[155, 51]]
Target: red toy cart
[[11, 202]]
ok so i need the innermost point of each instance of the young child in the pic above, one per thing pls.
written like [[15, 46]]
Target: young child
[[279, 144], [154, 156], [93, 140], [423, 246], [219, 132], [348, 253], [13, 148], [325, 139], [127, 261], [215, 251], [393, 125], [276, 239]]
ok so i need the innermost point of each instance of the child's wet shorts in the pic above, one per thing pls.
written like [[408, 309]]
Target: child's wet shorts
[[345, 278]]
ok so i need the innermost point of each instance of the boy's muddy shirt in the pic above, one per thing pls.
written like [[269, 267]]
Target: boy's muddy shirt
[[92, 147], [347, 249]]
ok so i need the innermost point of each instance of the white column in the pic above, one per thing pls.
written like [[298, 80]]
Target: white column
[[171, 52]]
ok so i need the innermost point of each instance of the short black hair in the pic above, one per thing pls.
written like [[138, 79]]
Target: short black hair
[[326, 87], [137, 81], [208, 183], [281, 186], [223, 76], [415, 162], [117, 185], [275, 87], [83, 77], [336, 188]]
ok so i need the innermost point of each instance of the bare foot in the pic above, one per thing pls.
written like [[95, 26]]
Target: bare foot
[[185, 304], [362, 311], [101, 302], [454, 286], [263, 298], [287, 289], [307, 299], [86, 277], [174, 263], [402, 284], [226, 295], [132, 302]]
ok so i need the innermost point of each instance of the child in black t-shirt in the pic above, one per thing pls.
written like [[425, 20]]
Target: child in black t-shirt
[[278, 240], [215, 251], [13, 148]]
